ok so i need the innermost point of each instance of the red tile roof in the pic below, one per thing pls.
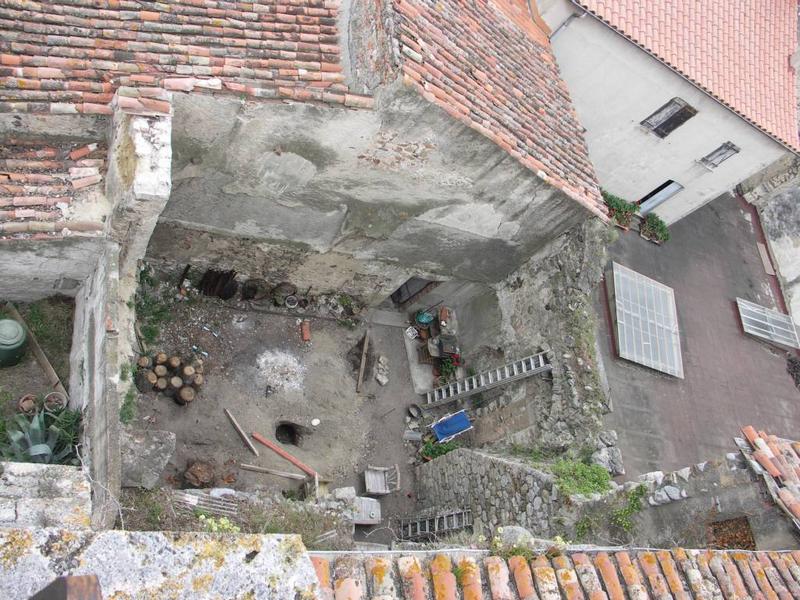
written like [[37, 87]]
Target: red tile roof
[[64, 56], [489, 65], [588, 575], [737, 51], [779, 462], [40, 184]]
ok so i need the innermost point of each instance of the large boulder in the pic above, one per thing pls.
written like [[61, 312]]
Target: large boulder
[[144, 456]]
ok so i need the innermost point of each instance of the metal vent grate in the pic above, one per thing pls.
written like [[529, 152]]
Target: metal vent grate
[[767, 324], [646, 321]]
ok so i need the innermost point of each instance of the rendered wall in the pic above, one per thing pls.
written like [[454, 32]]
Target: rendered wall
[[615, 85], [403, 189]]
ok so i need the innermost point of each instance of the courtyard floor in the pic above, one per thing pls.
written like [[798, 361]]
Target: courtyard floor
[[258, 367], [731, 379]]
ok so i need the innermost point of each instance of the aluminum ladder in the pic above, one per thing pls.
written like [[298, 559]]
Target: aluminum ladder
[[486, 380], [410, 529]]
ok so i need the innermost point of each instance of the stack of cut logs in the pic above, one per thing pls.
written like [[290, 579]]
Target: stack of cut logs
[[171, 376]]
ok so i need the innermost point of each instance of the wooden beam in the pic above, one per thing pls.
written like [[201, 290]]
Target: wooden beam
[[284, 454], [53, 380], [258, 469], [363, 363], [241, 432]]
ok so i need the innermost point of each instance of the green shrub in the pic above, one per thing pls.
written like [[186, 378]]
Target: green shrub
[[654, 228], [623, 517], [36, 441], [127, 411], [574, 477], [431, 449], [619, 209]]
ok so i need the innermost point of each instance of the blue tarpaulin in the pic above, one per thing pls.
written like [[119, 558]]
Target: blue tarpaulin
[[452, 425]]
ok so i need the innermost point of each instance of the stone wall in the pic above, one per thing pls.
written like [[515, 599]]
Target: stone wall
[[36, 495], [499, 491], [158, 564], [679, 506]]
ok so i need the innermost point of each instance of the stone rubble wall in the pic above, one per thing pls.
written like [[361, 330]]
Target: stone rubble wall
[[679, 505], [38, 495], [499, 491]]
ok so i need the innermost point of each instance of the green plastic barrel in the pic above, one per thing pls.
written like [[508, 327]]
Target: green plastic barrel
[[12, 342]]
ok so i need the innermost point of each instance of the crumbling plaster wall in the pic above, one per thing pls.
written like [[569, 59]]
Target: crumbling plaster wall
[[776, 194], [404, 185]]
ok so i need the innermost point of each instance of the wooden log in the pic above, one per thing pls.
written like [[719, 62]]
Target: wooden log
[[175, 382], [174, 362], [160, 370], [197, 365], [145, 380], [241, 432], [258, 469], [161, 384], [187, 372], [186, 393], [144, 362], [198, 380], [161, 358]]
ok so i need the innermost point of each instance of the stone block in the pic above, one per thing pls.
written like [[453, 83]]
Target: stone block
[[144, 456]]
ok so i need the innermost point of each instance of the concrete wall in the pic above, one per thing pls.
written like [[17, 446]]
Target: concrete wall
[[405, 186], [776, 193], [615, 85], [94, 378], [499, 491]]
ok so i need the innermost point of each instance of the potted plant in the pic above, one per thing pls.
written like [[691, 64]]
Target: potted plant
[[654, 229], [619, 209], [27, 404], [54, 402]]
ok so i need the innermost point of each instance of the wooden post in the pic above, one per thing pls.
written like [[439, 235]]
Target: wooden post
[[363, 362], [41, 358], [241, 432], [258, 469]]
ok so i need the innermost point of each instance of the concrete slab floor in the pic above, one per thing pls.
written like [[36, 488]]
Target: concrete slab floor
[[731, 379], [315, 381]]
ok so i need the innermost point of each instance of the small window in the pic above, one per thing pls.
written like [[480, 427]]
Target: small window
[[659, 195], [719, 155], [669, 117]]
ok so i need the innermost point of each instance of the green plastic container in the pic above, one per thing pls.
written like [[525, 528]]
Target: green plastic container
[[12, 342]]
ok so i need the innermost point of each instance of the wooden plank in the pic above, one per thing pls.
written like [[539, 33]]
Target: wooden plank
[[765, 258], [258, 469], [53, 380], [363, 363], [241, 432], [283, 454]]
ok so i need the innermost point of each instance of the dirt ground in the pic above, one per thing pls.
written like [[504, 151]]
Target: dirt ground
[[259, 368], [51, 322]]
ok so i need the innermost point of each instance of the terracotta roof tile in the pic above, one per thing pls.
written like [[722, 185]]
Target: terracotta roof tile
[[489, 65], [68, 56], [665, 574], [736, 51], [39, 184]]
